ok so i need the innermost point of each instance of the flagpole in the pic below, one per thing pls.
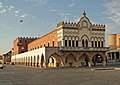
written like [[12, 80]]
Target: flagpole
[[22, 31]]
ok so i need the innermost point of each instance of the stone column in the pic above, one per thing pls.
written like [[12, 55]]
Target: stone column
[[89, 62], [62, 64], [45, 65], [104, 63], [76, 64], [115, 55]]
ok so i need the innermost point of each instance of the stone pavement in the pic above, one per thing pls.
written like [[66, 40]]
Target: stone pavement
[[18, 75]]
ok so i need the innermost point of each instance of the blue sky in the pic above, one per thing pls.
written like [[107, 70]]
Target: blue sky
[[41, 16]]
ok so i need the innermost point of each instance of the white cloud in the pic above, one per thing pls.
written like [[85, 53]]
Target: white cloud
[[60, 13], [52, 9], [63, 14], [23, 15], [71, 5], [12, 7], [36, 2], [113, 10], [11, 10], [17, 11], [77, 19]]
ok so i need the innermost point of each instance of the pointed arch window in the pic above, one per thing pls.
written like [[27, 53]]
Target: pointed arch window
[[101, 43], [76, 43], [95, 43], [69, 43], [73, 43], [86, 43], [98, 43], [92, 43], [83, 43], [66, 43]]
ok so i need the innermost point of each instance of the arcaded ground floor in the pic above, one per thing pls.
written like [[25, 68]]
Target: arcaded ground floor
[[53, 57]]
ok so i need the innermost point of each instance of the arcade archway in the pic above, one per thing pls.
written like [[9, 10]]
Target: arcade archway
[[70, 60], [97, 60], [55, 61], [84, 60]]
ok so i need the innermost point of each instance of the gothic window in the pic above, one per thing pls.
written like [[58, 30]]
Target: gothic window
[[83, 43], [69, 43], [95, 43], [98, 43], [92, 43], [65, 42], [73, 43], [101, 43], [86, 43], [76, 43]]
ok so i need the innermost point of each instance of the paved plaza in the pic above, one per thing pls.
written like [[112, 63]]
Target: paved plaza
[[19, 75]]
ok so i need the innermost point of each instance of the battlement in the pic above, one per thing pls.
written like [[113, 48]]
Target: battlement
[[98, 26], [67, 24], [27, 38]]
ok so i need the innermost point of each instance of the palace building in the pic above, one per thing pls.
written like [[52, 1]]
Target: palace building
[[70, 44]]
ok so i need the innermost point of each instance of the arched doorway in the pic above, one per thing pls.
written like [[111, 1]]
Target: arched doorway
[[42, 61], [97, 60], [38, 61], [28, 61], [34, 61], [54, 60], [70, 60], [84, 59], [31, 60]]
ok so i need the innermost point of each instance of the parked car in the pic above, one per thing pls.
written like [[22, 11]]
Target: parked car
[[1, 64]]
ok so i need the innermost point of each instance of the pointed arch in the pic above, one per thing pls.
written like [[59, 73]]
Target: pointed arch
[[97, 59], [86, 41], [55, 60], [84, 59], [31, 60], [38, 58], [85, 37], [83, 45], [42, 60], [70, 60], [34, 61]]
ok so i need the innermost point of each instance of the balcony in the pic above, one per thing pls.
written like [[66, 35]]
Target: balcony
[[84, 48]]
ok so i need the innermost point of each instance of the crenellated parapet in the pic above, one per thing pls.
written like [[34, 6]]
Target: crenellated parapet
[[70, 24], [67, 24], [98, 26], [27, 38]]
